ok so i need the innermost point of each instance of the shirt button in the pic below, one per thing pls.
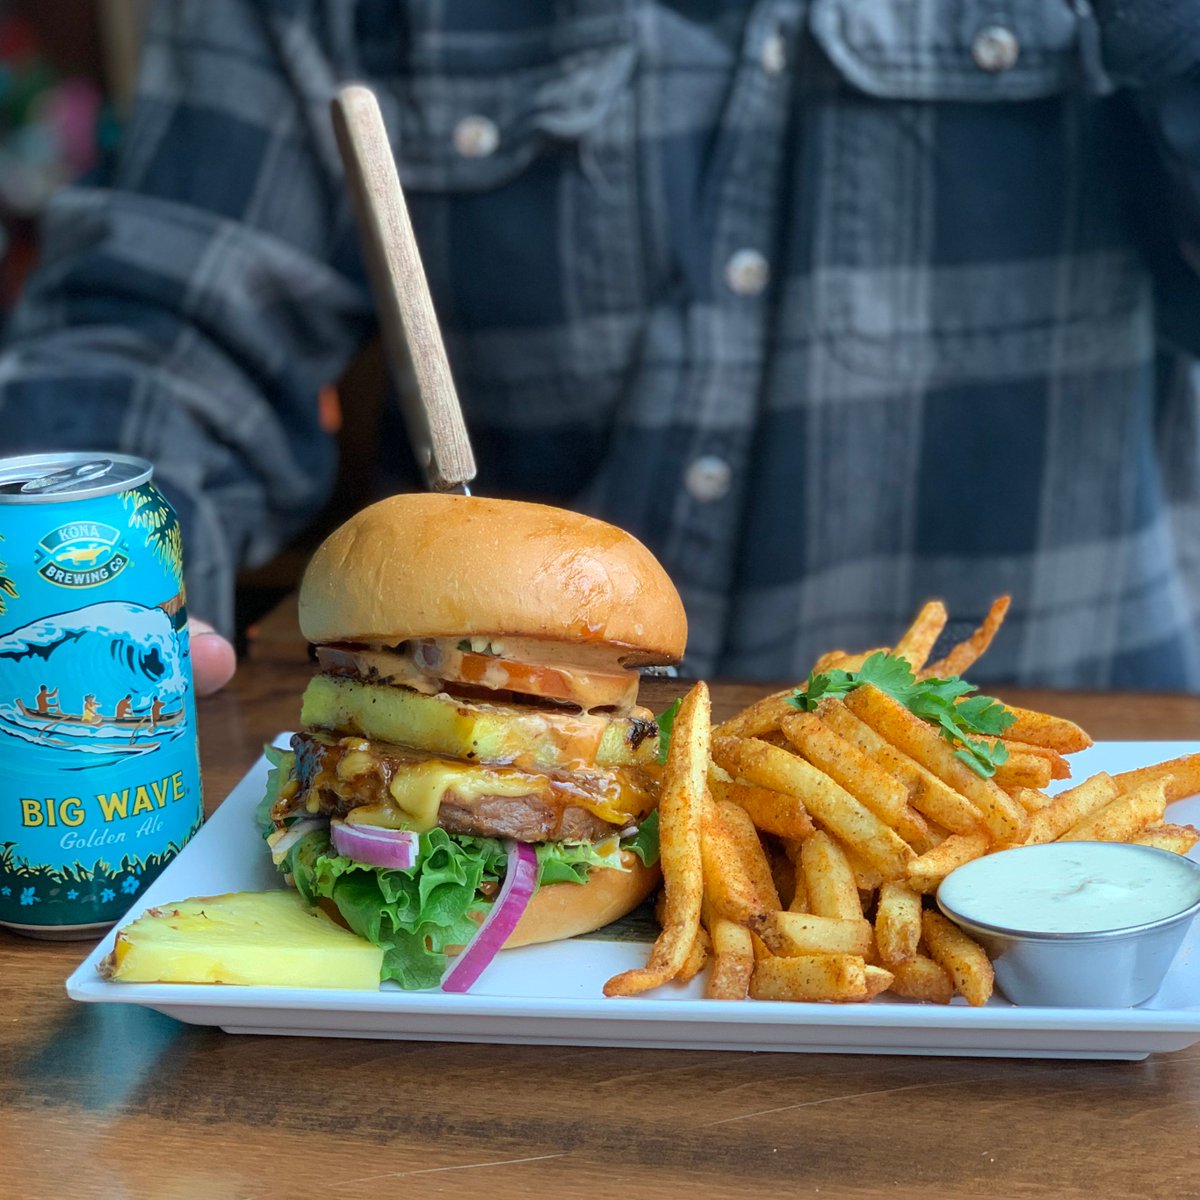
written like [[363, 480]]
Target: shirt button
[[708, 478], [995, 49], [476, 137], [774, 54], [747, 272]]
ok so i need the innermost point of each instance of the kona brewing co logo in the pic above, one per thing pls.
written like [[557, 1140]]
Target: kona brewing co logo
[[82, 554]]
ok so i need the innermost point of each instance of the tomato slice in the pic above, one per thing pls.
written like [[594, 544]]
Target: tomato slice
[[584, 686]]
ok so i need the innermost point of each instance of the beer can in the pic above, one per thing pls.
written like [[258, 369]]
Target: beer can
[[99, 771]]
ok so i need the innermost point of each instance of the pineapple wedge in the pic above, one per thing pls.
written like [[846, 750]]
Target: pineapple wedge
[[257, 939]]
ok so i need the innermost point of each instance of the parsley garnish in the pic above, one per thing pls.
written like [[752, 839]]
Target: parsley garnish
[[939, 701], [666, 723]]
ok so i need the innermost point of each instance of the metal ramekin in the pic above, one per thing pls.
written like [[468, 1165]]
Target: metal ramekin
[[1109, 968]]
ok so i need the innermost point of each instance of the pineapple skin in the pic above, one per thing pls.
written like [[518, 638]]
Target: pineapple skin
[[252, 939]]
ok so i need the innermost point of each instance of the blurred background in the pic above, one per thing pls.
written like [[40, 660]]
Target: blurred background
[[67, 74]]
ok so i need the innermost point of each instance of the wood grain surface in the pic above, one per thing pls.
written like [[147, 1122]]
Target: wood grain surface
[[116, 1102]]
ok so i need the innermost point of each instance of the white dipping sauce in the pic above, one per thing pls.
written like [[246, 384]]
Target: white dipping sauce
[[1071, 887]]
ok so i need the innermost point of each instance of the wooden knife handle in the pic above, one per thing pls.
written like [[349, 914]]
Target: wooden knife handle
[[407, 321]]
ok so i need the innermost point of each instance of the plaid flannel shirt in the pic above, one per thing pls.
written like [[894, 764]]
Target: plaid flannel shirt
[[837, 304]]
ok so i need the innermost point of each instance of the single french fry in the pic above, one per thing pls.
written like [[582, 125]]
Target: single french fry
[[920, 978], [1184, 772], [810, 977], [1001, 815], [1023, 770], [771, 811], [1070, 807], [967, 652], [1120, 819], [961, 956], [729, 888], [1030, 799], [741, 829], [927, 793], [1179, 839], [1041, 729], [854, 662], [921, 636], [897, 923], [954, 852], [866, 877], [788, 934], [1060, 768], [828, 879], [733, 961], [763, 716], [681, 805], [829, 660], [878, 980], [770, 766], [697, 957]]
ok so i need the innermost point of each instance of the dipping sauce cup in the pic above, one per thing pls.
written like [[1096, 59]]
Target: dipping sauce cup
[[1076, 924]]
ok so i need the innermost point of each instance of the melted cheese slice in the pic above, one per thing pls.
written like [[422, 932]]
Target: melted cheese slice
[[417, 792]]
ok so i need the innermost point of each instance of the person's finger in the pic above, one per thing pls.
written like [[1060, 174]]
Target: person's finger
[[213, 659]]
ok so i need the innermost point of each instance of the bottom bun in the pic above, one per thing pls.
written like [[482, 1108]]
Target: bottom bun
[[561, 910]]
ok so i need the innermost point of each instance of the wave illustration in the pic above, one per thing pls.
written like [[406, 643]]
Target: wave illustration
[[108, 678]]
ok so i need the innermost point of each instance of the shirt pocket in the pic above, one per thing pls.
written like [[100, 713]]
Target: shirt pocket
[[970, 222], [516, 150]]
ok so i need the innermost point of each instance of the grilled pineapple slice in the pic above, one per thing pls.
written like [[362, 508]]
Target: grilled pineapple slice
[[485, 732], [258, 939]]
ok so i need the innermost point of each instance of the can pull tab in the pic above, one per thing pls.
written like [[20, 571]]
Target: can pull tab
[[64, 481]]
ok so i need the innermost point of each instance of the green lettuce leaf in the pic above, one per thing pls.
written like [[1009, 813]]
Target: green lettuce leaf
[[282, 762], [415, 914]]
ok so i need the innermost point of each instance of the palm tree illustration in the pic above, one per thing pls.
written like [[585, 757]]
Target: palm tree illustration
[[7, 587], [152, 513]]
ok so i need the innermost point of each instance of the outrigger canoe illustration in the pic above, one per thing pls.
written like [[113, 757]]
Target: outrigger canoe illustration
[[136, 721]]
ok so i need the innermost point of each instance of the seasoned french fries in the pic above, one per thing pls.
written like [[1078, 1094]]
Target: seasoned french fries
[[1178, 839], [1125, 816], [963, 958], [681, 808], [773, 812], [828, 879], [926, 872], [1184, 773], [927, 793], [1001, 815], [897, 923], [921, 636], [1041, 729], [739, 828], [802, 839], [810, 977], [733, 961], [969, 651], [829, 803], [789, 934], [1070, 808], [920, 978], [729, 887]]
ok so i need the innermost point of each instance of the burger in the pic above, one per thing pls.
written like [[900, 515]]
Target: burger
[[472, 769]]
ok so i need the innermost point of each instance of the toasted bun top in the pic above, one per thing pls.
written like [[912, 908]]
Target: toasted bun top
[[430, 565]]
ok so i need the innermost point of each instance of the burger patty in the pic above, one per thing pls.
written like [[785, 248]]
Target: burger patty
[[349, 773]]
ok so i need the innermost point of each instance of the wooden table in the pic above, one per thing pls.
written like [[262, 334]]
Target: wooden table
[[115, 1102]]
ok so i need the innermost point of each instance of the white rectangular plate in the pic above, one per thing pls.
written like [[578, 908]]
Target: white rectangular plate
[[551, 995]]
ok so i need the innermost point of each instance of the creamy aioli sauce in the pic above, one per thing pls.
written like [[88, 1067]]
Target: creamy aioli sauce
[[1071, 887]]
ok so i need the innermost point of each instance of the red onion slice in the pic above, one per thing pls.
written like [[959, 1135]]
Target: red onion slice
[[374, 846], [291, 835], [520, 882]]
